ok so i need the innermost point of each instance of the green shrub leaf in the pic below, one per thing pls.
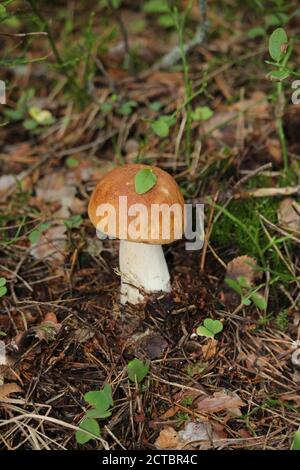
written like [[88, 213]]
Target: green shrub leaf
[[277, 42]]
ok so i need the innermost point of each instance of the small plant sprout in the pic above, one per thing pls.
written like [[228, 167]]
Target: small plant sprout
[[296, 441], [202, 113], [161, 126], [3, 288], [210, 328], [137, 370], [72, 162], [73, 222], [280, 49], [132, 191], [36, 234], [100, 408], [242, 287]]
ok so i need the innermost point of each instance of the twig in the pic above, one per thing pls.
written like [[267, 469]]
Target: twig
[[208, 232], [16, 275], [268, 192], [23, 35], [173, 56], [57, 56], [251, 174], [123, 32]]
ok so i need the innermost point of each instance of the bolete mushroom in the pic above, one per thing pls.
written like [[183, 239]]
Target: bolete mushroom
[[146, 218]]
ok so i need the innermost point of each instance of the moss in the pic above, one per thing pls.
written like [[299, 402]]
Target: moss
[[226, 232]]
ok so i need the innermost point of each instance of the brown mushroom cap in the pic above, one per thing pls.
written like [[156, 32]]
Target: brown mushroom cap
[[121, 182]]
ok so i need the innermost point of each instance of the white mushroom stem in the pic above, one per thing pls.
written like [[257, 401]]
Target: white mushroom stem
[[143, 269]]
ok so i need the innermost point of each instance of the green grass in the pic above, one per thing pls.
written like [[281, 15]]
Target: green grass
[[239, 228]]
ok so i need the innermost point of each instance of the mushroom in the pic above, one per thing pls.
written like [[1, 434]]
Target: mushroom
[[143, 267]]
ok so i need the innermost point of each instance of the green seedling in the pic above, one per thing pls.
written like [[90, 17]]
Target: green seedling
[[72, 162], [161, 10], [210, 328], [202, 113], [3, 288], [161, 126], [73, 222], [296, 441], [36, 234], [137, 370], [127, 108], [280, 49], [38, 117], [195, 369], [247, 294], [100, 401]]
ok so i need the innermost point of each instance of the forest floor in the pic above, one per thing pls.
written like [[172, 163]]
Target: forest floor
[[99, 90]]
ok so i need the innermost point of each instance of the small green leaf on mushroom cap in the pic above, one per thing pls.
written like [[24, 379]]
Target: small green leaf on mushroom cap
[[144, 180]]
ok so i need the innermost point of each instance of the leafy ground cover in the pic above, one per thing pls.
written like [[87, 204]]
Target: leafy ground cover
[[206, 93]]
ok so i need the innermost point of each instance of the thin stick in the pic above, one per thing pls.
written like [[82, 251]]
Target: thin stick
[[23, 35], [208, 232], [57, 56], [123, 32]]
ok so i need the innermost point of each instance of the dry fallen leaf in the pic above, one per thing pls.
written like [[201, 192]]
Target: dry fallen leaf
[[289, 214], [296, 376], [83, 334], [256, 106], [167, 439], [53, 187], [60, 188], [243, 266], [200, 434], [223, 400], [224, 122], [48, 329], [290, 396], [274, 148], [6, 182], [255, 363], [51, 245], [3, 360], [154, 346], [209, 349], [295, 359], [7, 389]]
